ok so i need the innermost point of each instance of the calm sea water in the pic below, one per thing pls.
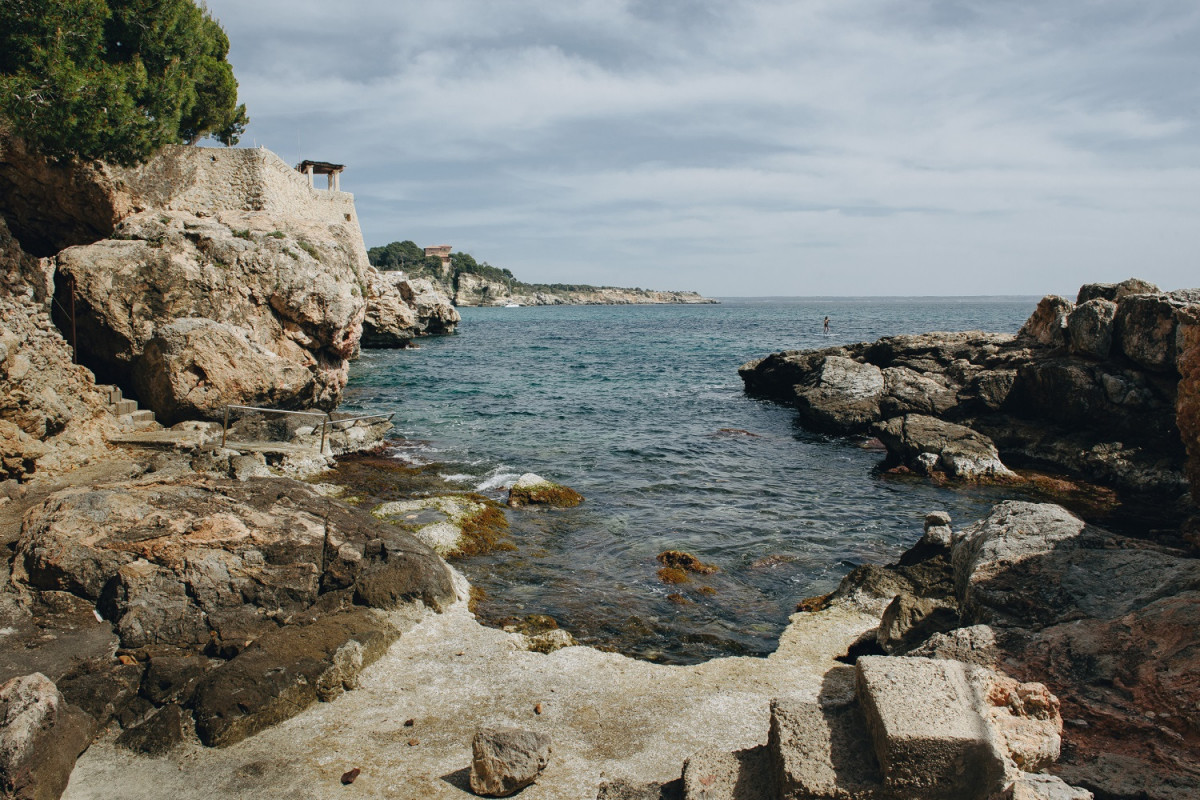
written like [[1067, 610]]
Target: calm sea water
[[640, 408]]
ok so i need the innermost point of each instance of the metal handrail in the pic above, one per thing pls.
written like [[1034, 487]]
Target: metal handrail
[[325, 423]]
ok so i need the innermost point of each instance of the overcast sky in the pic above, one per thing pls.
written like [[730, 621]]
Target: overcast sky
[[810, 147]]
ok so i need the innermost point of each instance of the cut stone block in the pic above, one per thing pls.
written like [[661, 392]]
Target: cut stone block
[[721, 775], [928, 728], [822, 752]]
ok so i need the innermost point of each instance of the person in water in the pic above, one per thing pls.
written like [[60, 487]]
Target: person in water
[[826, 326]]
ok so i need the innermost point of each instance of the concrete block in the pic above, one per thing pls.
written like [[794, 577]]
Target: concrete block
[[928, 728], [721, 775], [822, 752]]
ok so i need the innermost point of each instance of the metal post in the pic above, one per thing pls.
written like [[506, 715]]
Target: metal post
[[324, 428], [224, 427], [74, 336]]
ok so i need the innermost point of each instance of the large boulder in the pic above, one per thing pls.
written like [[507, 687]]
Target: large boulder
[[844, 395], [286, 671], [41, 735], [1090, 328], [505, 760], [291, 286], [199, 560], [1047, 325], [1114, 291], [1145, 330], [193, 367], [928, 445], [400, 309], [1034, 564]]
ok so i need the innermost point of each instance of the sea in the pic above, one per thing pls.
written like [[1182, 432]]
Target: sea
[[640, 409]]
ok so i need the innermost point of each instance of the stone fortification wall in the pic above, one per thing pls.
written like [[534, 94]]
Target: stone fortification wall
[[209, 180]]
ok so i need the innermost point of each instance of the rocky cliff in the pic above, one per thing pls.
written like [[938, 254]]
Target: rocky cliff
[[473, 290], [207, 276], [1104, 388]]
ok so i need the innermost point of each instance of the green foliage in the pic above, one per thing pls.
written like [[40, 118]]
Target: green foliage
[[115, 79], [243, 233], [405, 256], [310, 249]]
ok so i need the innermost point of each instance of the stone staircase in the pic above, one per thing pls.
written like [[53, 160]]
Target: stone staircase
[[891, 729], [126, 411]]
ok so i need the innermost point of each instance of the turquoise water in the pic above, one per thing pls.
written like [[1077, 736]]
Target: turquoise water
[[640, 408]]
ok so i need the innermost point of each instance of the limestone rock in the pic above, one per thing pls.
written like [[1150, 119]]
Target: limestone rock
[[719, 775], [1047, 325], [505, 760], [1114, 291], [189, 559], [157, 734], [1046, 787], [531, 489], [974, 644], [449, 524], [822, 751], [287, 670], [195, 367], [845, 395], [1145, 330], [1187, 407], [928, 732], [909, 620], [905, 391], [928, 444], [52, 415], [400, 309], [1090, 328], [40, 738]]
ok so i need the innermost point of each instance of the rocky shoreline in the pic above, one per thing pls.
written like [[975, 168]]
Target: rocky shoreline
[[182, 618]]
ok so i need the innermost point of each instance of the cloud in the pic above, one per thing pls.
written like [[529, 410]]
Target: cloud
[[896, 146]]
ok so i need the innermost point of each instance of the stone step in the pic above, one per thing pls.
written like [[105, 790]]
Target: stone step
[[822, 751], [928, 728], [122, 407], [721, 775]]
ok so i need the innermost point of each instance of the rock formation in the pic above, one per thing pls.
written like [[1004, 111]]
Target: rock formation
[[1103, 389], [207, 277], [469, 289], [52, 415], [399, 309]]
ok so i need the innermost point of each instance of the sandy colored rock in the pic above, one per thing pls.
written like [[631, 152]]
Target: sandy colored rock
[[1048, 324], [400, 309], [822, 751], [505, 760], [928, 732]]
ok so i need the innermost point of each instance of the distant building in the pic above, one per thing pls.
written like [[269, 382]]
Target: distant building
[[333, 171], [442, 253]]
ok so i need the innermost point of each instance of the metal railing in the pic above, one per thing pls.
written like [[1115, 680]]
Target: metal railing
[[327, 421]]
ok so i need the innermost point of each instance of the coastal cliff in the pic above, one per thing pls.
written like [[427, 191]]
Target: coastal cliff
[[473, 290], [209, 276]]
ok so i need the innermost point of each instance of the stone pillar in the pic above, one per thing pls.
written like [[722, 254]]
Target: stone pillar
[[337, 180], [309, 172]]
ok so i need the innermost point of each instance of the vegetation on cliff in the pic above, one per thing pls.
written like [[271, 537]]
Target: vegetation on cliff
[[115, 79], [410, 258]]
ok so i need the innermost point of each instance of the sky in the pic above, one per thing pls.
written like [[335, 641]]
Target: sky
[[751, 147]]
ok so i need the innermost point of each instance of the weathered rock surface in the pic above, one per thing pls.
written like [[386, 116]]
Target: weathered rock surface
[[291, 286], [399, 309], [1102, 390], [531, 489], [40, 738], [475, 290], [198, 561], [930, 445], [505, 760], [52, 415], [287, 670]]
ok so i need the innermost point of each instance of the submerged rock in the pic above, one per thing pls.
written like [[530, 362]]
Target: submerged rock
[[928, 445], [531, 489]]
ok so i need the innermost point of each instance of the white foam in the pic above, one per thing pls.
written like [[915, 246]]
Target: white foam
[[456, 478], [498, 481]]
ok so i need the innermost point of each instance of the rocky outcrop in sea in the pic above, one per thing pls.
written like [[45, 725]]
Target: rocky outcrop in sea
[[1104, 389]]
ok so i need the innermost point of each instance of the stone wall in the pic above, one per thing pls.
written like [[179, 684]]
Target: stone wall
[[207, 180]]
